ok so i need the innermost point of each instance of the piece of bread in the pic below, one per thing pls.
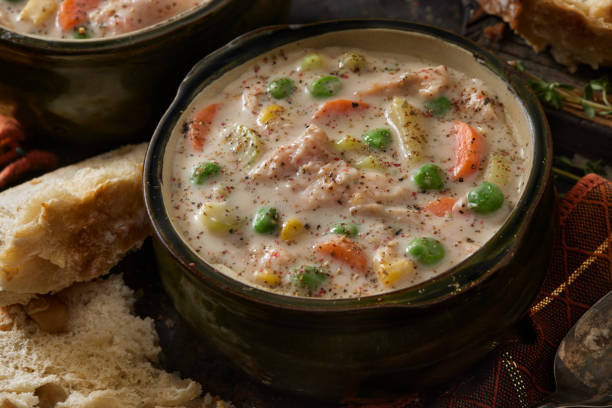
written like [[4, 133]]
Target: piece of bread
[[577, 31], [105, 359], [71, 225]]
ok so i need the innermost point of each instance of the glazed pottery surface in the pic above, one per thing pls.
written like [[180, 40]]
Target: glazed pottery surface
[[108, 91], [410, 338]]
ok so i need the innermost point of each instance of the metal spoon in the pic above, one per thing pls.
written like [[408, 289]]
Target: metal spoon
[[583, 363]]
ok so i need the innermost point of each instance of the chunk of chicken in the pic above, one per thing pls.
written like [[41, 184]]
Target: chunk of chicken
[[250, 99], [428, 82], [309, 151], [479, 105]]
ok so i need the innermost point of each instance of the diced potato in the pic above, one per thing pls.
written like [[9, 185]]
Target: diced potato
[[404, 119], [269, 114], [267, 277], [292, 228], [246, 144], [311, 62], [369, 163], [217, 217], [497, 170], [347, 143], [390, 268], [37, 11]]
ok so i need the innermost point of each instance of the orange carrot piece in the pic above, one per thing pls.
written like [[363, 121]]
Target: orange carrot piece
[[441, 206], [345, 250], [339, 107], [200, 126], [75, 12], [470, 147]]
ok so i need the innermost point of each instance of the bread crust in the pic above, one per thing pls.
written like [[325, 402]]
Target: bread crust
[[71, 225], [575, 34]]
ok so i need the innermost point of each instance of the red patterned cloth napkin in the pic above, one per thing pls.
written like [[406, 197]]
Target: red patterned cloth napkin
[[519, 373]]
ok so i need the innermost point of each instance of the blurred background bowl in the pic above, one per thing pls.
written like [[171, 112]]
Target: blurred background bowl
[[103, 92], [407, 339]]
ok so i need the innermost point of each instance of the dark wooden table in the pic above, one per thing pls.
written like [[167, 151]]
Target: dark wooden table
[[193, 357]]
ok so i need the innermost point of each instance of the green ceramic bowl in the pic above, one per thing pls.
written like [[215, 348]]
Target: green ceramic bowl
[[114, 90], [409, 338]]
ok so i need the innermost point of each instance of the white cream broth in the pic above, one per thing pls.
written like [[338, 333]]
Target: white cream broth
[[314, 181], [88, 18]]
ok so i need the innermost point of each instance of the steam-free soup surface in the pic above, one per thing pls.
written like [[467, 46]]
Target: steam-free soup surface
[[340, 173], [84, 19]]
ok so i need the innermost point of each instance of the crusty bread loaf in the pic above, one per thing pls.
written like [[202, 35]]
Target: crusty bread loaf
[[105, 359], [577, 31], [71, 225]]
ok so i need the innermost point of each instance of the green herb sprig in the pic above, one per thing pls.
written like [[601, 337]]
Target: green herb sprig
[[593, 100]]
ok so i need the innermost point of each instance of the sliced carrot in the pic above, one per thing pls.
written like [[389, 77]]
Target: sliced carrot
[[345, 250], [75, 12], [441, 206], [339, 107], [470, 147], [200, 126]]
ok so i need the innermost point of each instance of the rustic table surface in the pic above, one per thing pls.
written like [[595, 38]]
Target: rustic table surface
[[193, 357]]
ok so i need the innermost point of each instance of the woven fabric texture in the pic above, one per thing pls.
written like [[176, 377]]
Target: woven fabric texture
[[519, 372]]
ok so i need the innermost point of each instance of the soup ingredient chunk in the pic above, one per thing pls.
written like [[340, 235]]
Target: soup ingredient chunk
[[429, 177], [349, 229], [486, 198], [309, 277], [204, 171], [311, 62], [438, 106], [200, 126], [403, 118], [441, 207], [281, 87], [245, 143], [426, 250], [339, 107], [352, 61], [217, 217], [266, 220], [498, 170], [75, 12], [37, 11], [291, 229], [378, 138], [344, 250], [325, 86], [469, 150], [391, 268]]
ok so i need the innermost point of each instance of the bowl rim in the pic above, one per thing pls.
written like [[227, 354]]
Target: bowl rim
[[61, 46], [464, 276]]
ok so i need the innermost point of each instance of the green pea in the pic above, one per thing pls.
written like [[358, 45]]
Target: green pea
[[204, 171], [281, 87], [311, 61], [429, 177], [485, 198], [345, 228], [265, 220], [309, 277], [425, 250], [325, 86], [438, 106], [352, 61], [378, 138]]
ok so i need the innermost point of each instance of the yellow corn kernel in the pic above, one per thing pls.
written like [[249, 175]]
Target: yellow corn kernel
[[37, 11], [267, 277], [389, 272], [216, 217], [269, 113], [291, 229], [369, 162], [349, 143]]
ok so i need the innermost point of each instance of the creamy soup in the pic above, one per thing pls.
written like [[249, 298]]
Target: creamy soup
[[339, 173], [83, 19]]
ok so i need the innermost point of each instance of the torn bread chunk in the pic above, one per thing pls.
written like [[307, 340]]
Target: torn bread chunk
[[106, 358], [71, 225], [577, 31]]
